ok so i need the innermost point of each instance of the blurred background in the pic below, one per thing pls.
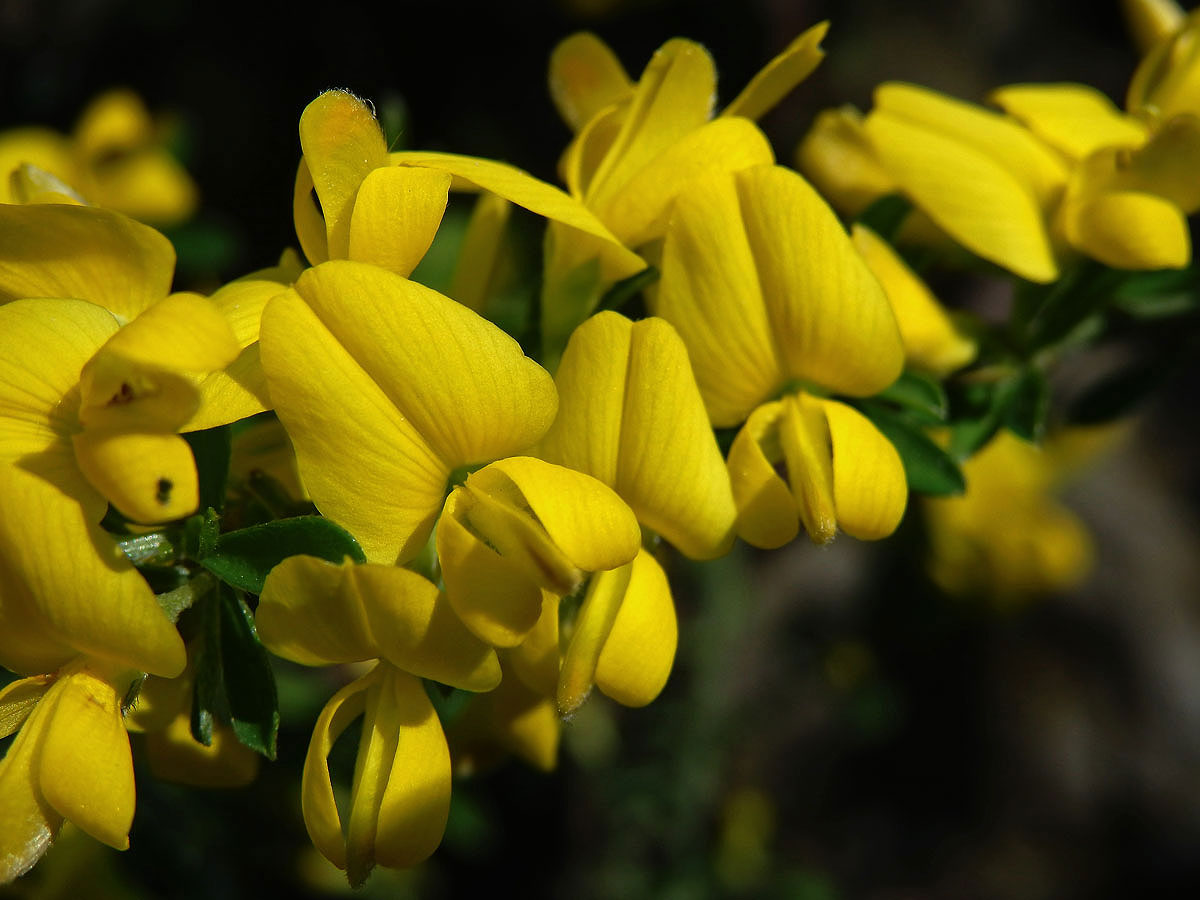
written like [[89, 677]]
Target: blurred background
[[836, 726]]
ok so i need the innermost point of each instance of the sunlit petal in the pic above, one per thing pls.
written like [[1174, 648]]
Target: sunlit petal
[[636, 659], [585, 77], [396, 214], [85, 765], [767, 513], [1073, 118], [869, 484], [630, 415], [1130, 230], [777, 78], [342, 142], [837, 157], [148, 477], [84, 253]]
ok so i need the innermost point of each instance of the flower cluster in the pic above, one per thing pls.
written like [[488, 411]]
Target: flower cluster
[[335, 461]]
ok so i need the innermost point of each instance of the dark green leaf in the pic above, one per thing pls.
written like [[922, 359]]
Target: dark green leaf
[[1025, 402], [243, 558], [1158, 295], [886, 215], [200, 534], [246, 672], [928, 468], [920, 396], [212, 449], [623, 291], [234, 683]]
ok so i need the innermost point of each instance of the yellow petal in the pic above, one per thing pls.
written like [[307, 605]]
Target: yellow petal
[[805, 440], [315, 612], [837, 156], [999, 138], [27, 823], [585, 77], [535, 661], [342, 142], [85, 768], [637, 656], [630, 414], [148, 184], [767, 513], [480, 256], [396, 214], [321, 817], [520, 720], [43, 346], [673, 97], [401, 796], [42, 148], [1073, 118], [638, 212], [148, 477], [584, 155], [116, 119], [869, 485], [931, 341], [1130, 230], [85, 597], [174, 755], [242, 303], [492, 595], [1151, 21], [529, 193], [382, 413], [30, 184], [828, 313], [1167, 80], [84, 253], [1166, 165], [710, 293], [776, 80], [967, 193], [585, 519], [17, 701], [605, 593], [307, 217], [237, 392], [180, 333]]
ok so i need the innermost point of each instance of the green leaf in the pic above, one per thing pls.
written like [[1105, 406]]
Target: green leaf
[[628, 288], [212, 449], [928, 468], [920, 396], [1018, 401], [174, 602], [886, 215], [1045, 315], [243, 558], [1026, 400], [1159, 295], [234, 683], [249, 684], [200, 534]]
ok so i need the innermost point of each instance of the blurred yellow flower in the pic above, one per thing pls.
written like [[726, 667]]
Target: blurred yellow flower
[[115, 159]]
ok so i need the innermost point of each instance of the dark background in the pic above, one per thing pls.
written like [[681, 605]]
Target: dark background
[[835, 727]]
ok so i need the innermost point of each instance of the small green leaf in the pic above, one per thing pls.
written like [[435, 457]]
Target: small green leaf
[[175, 601], [1025, 403], [248, 681], [211, 449], [886, 215], [627, 288], [921, 397], [243, 558], [234, 683], [928, 468]]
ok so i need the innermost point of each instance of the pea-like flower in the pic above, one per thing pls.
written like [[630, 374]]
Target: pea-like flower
[[769, 295]]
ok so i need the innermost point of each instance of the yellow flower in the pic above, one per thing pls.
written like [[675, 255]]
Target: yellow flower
[[767, 292], [387, 387], [69, 761], [354, 200], [317, 613], [115, 159], [1064, 172], [1007, 536], [638, 145]]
